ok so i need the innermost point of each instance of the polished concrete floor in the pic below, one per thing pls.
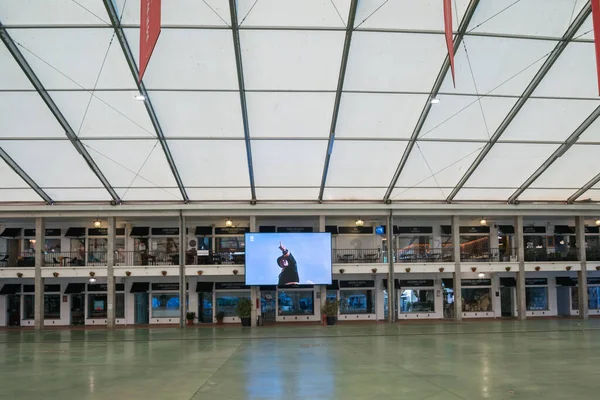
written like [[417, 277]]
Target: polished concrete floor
[[549, 359]]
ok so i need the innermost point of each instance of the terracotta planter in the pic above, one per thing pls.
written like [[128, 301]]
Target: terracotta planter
[[342, 270], [235, 271], [569, 268], [163, 273], [407, 269], [441, 269], [537, 268], [19, 275], [374, 270], [55, 274], [200, 272], [473, 269], [507, 269], [597, 268], [128, 273]]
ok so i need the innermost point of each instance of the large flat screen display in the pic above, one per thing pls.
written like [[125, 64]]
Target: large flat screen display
[[288, 259]]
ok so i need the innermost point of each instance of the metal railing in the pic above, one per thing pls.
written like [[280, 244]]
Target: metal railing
[[423, 255], [551, 256], [489, 255], [592, 254], [212, 258], [356, 256], [144, 257]]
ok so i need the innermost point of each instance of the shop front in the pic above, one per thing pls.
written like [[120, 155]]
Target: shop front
[[204, 292], [296, 303], [226, 297], [357, 300], [537, 297], [418, 299], [477, 298], [567, 290], [96, 304]]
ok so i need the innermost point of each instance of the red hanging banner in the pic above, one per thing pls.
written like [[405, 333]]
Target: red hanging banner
[[596, 20], [149, 31], [448, 32]]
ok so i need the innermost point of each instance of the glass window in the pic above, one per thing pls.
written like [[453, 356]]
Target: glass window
[[97, 305], [593, 300], [204, 242], [535, 242], [77, 256], [230, 244], [167, 245], [227, 302], [536, 298], [28, 307], [52, 306], [417, 300], [332, 295], [296, 302], [475, 245], [165, 305], [50, 245], [413, 244], [476, 299], [97, 250], [356, 302]]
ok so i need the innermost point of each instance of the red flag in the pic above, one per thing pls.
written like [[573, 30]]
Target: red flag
[[448, 31], [149, 31], [596, 19]]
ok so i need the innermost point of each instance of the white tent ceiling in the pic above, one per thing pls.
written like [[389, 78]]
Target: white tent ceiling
[[520, 123]]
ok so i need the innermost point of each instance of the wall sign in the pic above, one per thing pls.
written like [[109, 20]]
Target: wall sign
[[355, 230], [294, 229], [536, 281], [534, 229], [267, 229], [506, 229], [233, 230], [104, 232], [203, 231], [103, 287], [173, 286], [48, 232], [416, 283], [231, 286], [474, 229], [592, 229], [396, 284], [476, 282], [333, 229], [357, 284], [410, 230], [446, 229], [165, 231]]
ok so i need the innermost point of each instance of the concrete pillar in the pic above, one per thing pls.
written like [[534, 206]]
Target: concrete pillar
[[521, 303], [457, 272], [182, 288], [40, 233], [323, 287], [110, 273], [254, 290], [391, 289], [582, 284]]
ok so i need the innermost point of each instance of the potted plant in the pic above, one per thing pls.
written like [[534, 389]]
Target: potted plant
[[244, 310], [330, 310], [190, 317], [220, 317]]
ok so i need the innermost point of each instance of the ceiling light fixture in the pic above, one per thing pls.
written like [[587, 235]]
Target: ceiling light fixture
[[435, 100], [97, 224], [598, 222], [140, 97], [483, 222], [228, 223], [481, 275], [359, 222], [92, 280]]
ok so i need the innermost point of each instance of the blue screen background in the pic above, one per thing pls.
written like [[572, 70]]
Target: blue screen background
[[312, 252]]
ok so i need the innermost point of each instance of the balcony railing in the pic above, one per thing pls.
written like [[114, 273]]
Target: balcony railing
[[592, 254], [423, 255], [489, 255], [551, 256], [356, 256]]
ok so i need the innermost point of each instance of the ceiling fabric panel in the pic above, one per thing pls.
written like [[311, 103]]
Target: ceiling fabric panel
[[131, 162], [509, 165], [13, 77], [548, 120], [149, 194], [188, 59], [74, 58], [448, 161], [360, 163], [573, 170], [10, 179], [465, 117], [199, 114], [394, 62], [105, 114], [180, 12], [296, 13], [85, 194], [218, 194], [425, 194], [378, 115], [55, 12], [219, 163], [291, 60], [290, 163], [51, 163], [547, 194], [572, 74], [24, 114], [482, 194], [592, 195], [406, 14], [287, 193], [529, 18], [496, 66], [18, 195], [587, 29], [591, 134], [289, 115], [353, 193]]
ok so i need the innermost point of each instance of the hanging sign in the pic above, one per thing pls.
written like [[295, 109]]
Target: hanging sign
[[149, 31], [448, 32]]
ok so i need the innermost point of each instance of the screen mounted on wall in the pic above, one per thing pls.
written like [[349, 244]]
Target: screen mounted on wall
[[288, 259]]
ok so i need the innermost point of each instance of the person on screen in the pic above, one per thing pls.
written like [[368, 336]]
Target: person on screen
[[289, 267]]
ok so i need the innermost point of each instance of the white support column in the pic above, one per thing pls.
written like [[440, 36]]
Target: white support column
[[521, 303], [254, 290], [40, 233], [582, 285], [391, 289], [182, 280], [323, 287], [457, 272], [110, 273]]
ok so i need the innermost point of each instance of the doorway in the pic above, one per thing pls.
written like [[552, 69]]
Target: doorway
[[563, 300], [13, 309], [77, 309], [142, 314], [205, 307], [507, 305], [267, 305]]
